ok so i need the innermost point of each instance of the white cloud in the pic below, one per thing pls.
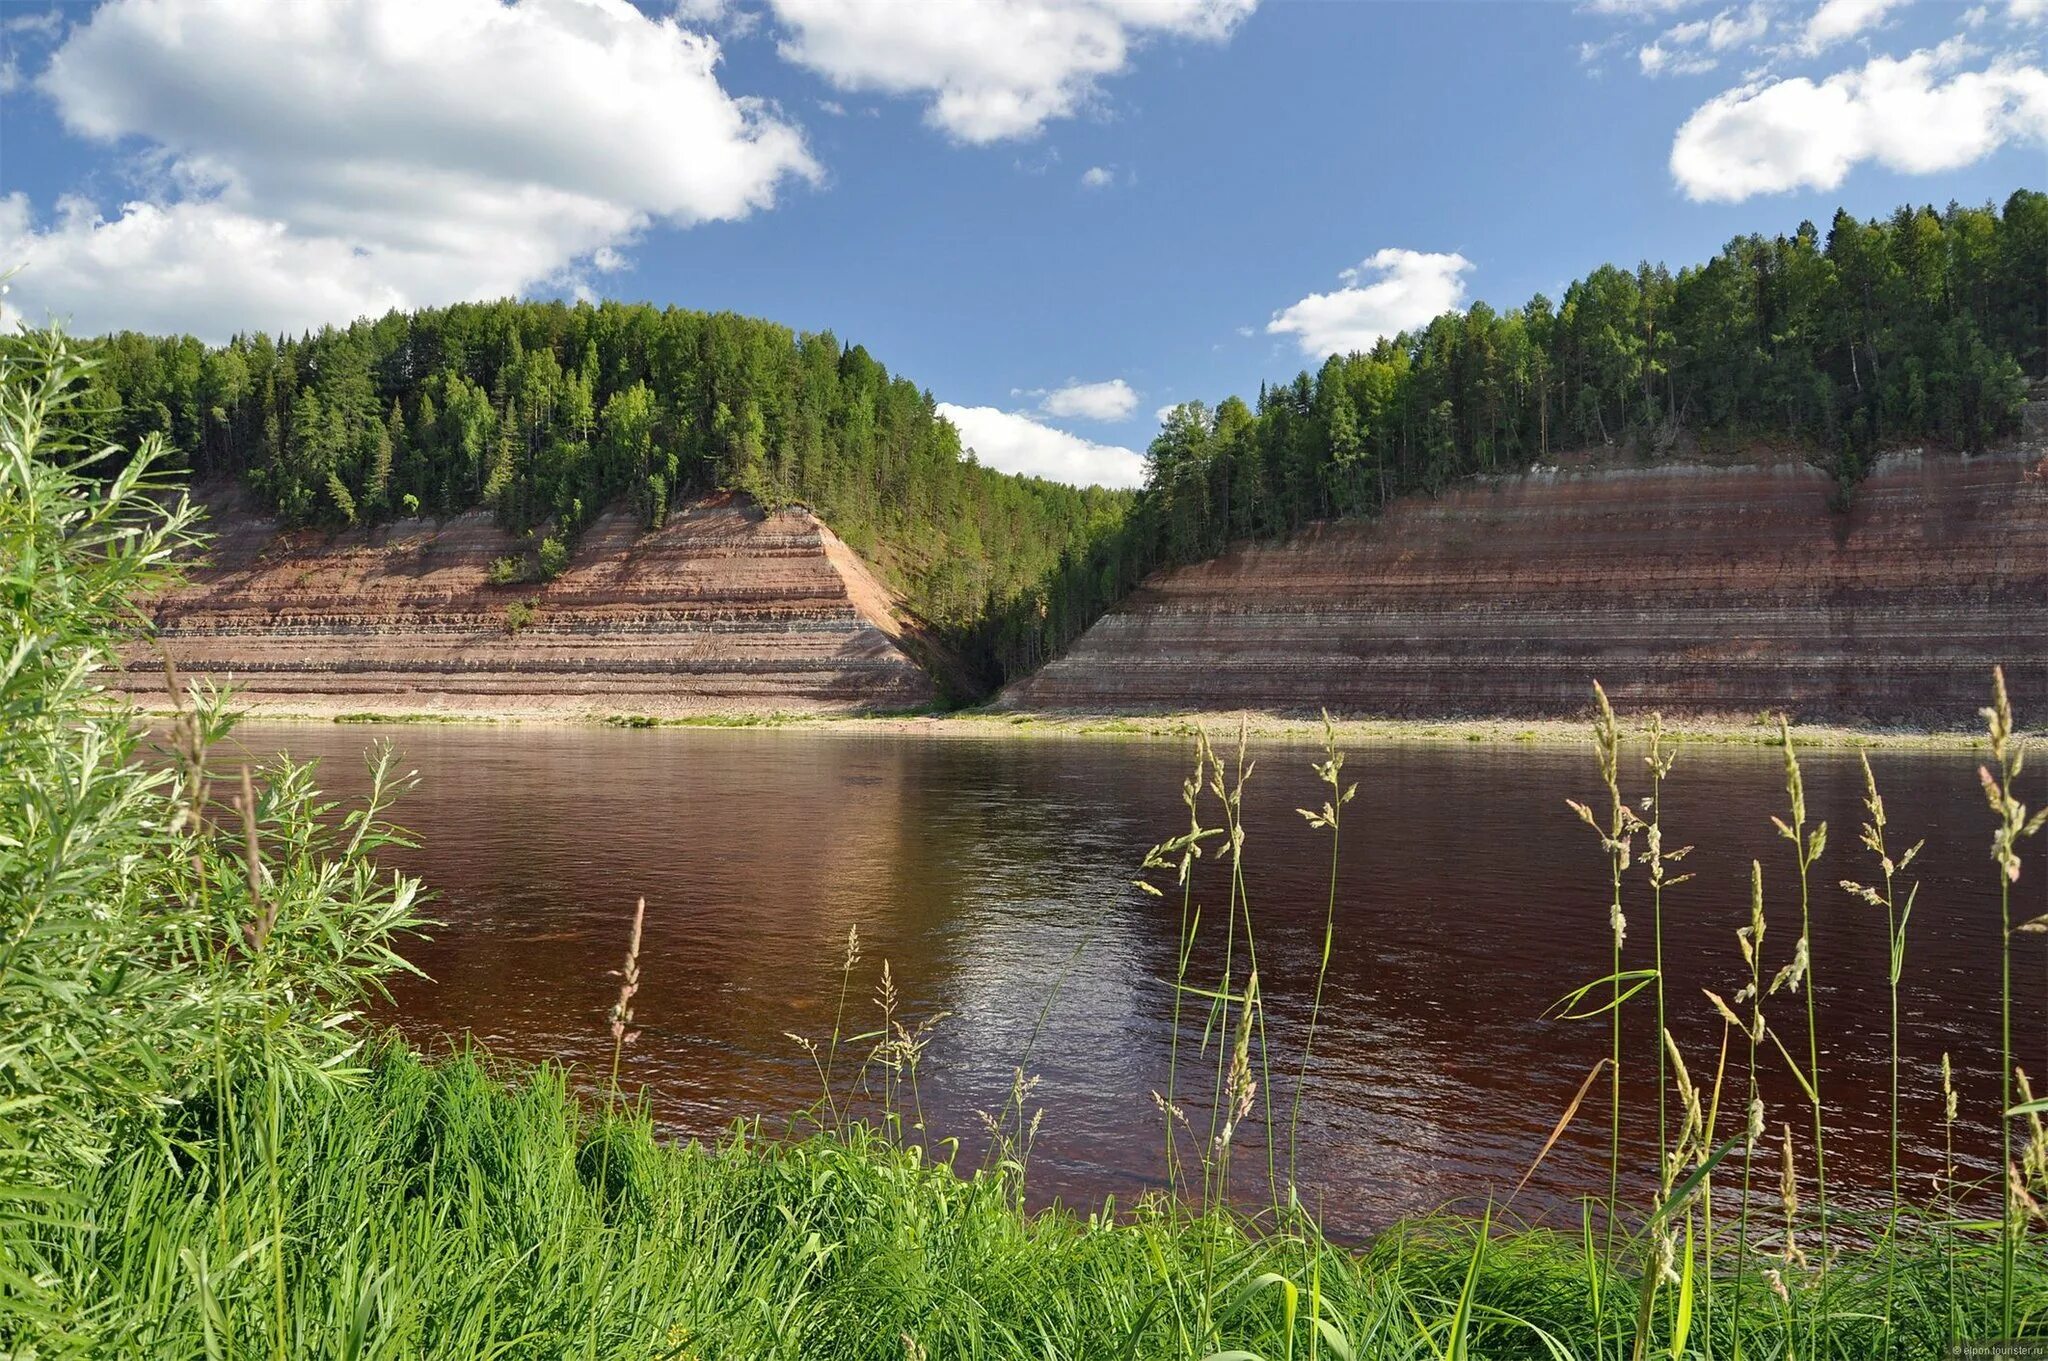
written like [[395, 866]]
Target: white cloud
[[1907, 114], [42, 24], [1014, 443], [154, 268], [1097, 177], [2026, 11], [1692, 48], [1725, 31], [991, 71], [1657, 60], [723, 16], [1110, 401], [1392, 291], [1163, 412], [323, 159], [1836, 20]]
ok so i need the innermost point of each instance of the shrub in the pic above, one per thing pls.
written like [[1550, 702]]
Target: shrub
[[554, 556], [160, 945], [514, 569]]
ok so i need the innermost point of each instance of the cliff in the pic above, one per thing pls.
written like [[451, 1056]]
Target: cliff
[[724, 608], [1708, 591]]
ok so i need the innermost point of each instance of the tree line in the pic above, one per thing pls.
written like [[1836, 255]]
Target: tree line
[[1922, 327], [1919, 328], [548, 414]]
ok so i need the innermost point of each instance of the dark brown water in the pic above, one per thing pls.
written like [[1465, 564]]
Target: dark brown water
[[994, 875]]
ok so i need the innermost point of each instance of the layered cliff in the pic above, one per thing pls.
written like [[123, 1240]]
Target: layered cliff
[[1710, 591], [724, 608]]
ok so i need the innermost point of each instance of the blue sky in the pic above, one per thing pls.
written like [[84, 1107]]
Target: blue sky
[[1057, 215]]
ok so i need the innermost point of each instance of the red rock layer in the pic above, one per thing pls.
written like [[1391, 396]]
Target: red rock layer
[[1708, 591], [724, 608]]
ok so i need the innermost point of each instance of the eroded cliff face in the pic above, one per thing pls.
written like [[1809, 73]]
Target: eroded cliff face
[[725, 608], [1717, 591]]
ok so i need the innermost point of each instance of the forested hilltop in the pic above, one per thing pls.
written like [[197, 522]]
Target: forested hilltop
[[1919, 329], [1922, 328], [547, 413]]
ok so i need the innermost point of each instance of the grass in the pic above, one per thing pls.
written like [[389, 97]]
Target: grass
[[444, 1210]]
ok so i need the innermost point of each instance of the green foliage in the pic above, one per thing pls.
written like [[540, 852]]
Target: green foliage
[[554, 556], [442, 1211], [154, 945], [1918, 328], [541, 410], [514, 569]]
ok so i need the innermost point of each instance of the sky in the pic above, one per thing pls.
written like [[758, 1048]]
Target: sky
[[1060, 217]]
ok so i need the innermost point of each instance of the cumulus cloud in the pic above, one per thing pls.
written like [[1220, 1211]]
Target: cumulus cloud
[[1392, 291], [1110, 401], [1014, 443], [992, 71], [1837, 20], [315, 161], [1914, 115], [1097, 177]]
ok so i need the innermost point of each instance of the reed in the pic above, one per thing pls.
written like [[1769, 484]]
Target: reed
[[2008, 755], [1807, 849], [1330, 771], [1616, 840], [1896, 917]]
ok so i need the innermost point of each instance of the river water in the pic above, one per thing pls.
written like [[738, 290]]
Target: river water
[[994, 876]]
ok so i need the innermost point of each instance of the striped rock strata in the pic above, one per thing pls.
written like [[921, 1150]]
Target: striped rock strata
[[725, 608], [1711, 591]]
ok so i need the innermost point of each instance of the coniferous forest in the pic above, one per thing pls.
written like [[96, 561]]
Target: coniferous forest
[[1923, 328]]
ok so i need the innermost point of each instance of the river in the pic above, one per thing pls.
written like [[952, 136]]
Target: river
[[994, 875]]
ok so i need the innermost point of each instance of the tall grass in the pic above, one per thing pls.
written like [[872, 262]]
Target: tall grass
[[1897, 915], [1807, 849], [2008, 754], [206, 1151]]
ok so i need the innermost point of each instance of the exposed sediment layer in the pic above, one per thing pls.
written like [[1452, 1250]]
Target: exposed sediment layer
[[724, 608], [1710, 591]]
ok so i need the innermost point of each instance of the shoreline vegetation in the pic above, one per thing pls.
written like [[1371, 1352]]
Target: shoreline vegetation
[[1758, 731], [207, 1150]]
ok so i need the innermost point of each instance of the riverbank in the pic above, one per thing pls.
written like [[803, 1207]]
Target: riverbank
[[985, 724], [461, 1209]]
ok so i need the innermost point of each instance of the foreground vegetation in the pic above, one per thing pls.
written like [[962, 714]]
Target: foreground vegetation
[[204, 1151], [1920, 327]]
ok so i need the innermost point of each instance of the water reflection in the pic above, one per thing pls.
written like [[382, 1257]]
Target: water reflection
[[995, 876]]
